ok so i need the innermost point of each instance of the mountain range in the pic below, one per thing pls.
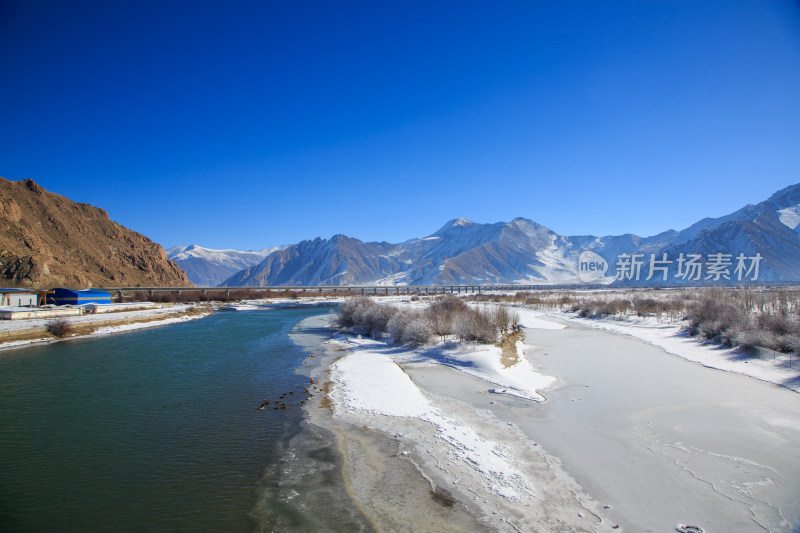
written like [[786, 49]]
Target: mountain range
[[759, 242], [207, 267], [49, 240]]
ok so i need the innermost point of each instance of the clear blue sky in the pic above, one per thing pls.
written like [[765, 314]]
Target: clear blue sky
[[251, 124]]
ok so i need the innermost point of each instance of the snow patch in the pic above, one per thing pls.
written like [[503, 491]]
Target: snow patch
[[371, 382], [790, 216]]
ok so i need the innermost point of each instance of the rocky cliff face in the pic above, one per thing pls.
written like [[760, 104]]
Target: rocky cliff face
[[47, 240]]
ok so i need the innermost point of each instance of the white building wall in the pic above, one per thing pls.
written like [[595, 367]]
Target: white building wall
[[18, 300]]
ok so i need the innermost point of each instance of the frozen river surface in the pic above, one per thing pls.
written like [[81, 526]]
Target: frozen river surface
[[664, 441]]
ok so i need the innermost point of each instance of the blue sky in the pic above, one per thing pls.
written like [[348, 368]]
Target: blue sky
[[251, 124]]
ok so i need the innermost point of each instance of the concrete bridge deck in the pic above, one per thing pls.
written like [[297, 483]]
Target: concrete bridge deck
[[421, 289], [361, 289]]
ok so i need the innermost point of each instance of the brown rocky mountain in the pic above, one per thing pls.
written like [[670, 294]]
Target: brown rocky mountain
[[47, 240]]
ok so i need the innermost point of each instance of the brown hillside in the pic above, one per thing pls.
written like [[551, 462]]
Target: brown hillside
[[47, 240]]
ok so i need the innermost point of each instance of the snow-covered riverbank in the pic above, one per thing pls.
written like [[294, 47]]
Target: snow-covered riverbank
[[22, 333], [475, 430], [467, 454]]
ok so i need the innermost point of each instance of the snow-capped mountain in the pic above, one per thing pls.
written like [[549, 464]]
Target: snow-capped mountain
[[768, 229], [208, 268], [759, 242]]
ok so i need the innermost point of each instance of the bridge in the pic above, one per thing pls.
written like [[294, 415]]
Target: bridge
[[360, 289], [377, 290]]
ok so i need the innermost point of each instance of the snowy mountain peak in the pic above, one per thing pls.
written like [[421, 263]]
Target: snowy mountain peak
[[456, 223], [786, 197]]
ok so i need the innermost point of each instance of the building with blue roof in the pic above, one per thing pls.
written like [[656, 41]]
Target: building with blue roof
[[61, 296]]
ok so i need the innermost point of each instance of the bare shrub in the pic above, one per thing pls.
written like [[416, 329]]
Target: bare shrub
[[501, 318], [462, 326], [795, 344], [786, 343], [352, 311], [646, 306], [778, 323], [60, 327], [485, 332], [611, 307], [751, 339], [441, 322], [714, 316], [449, 304], [375, 319], [397, 325], [418, 331], [473, 325]]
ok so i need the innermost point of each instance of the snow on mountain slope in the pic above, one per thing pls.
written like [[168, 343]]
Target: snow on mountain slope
[[226, 257], [207, 267], [524, 252], [340, 260], [790, 217]]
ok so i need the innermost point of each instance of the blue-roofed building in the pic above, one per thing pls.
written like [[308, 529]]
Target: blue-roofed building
[[61, 296]]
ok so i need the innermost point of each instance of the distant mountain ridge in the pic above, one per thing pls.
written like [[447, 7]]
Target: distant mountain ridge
[[524, 252], [47, 240], [207, 267]]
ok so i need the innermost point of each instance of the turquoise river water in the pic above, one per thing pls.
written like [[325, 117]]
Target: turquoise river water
[[152, 430]]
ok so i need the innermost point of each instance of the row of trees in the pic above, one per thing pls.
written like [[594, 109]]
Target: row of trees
[[729, 322], [747, 317], [445, 317]]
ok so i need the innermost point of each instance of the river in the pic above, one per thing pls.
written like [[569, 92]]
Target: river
[[151, 430]]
